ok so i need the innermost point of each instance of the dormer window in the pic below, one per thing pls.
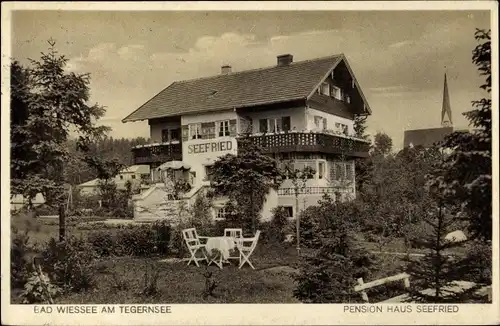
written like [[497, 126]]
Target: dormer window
[[336, 92], [325, 89]]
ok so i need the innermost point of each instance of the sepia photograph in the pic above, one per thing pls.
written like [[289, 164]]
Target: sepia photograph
[[156, 157]]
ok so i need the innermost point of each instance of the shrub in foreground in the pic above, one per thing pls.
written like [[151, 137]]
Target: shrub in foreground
[[20, 266], [329, 274], [70, 264]]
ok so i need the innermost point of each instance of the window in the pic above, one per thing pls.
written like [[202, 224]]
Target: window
[[343, 128], [336, 93], [347, 99], [263, 125], [275, 124], [208, 172], [320, 122], [288, 211], [221, 213], [286, 123], [325, 89], [317, 121], [312, 168], [342, 171], [164, 136], [175, 134], [133, 176], [321, 170], [223, 128], [195, 131], [121, 177]]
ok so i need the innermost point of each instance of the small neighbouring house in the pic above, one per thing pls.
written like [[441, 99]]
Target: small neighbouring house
[[18, 201], [135, 174]]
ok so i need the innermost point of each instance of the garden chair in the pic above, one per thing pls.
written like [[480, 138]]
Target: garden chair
[[233, 233], [194, 244], [236, 234], [247, 250]]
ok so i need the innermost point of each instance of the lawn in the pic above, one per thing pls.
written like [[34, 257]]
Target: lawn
[[122, 279]]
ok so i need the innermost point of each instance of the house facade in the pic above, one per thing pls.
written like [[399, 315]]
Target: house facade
[[301, 113]]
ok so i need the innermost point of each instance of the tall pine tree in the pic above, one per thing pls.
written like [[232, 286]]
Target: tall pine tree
[[47, 103], [468, 167], [460, 190]]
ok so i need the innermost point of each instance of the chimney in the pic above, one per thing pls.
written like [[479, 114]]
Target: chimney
[[225, 69], [284, 60]]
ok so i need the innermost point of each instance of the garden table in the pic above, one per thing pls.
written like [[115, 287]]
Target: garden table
[[222, 246]]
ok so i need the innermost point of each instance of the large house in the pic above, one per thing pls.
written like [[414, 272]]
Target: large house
[[300, 112]]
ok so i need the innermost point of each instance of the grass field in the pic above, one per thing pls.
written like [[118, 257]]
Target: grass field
[[121, 279]]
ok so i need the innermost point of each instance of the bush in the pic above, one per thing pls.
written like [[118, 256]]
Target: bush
[[478, 263], [46, 210], [20, 266], [70, 263], [329, 274], [276, 230], [163, 233], [104, 243], [39, 289], [137, 241], [315, 219]]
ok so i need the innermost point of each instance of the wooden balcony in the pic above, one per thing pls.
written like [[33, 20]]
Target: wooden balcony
[[156, 153], [311, 142]]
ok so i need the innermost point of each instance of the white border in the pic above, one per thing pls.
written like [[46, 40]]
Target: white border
[[239, 314]]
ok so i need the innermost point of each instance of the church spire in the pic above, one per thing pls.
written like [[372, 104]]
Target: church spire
[[446, 109]]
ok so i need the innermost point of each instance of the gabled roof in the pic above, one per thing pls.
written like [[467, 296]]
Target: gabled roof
[[426, 137], [140, 168], [276, 84]]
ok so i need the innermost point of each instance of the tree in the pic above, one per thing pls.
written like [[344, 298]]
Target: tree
[[48, 103], [299, 179], [468, 167], [246, 179], [329, 274], [460, 186], [382, 144], [439, 268], [360, 126]]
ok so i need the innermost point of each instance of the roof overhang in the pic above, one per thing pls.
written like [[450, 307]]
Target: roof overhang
[[190, 112]]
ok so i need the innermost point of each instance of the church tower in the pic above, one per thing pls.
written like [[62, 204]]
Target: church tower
[[446, 109]]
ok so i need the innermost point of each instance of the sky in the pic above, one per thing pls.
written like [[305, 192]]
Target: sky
[[398, 57]]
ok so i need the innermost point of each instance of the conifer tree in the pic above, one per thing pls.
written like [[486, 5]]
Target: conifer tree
[[460, 190]]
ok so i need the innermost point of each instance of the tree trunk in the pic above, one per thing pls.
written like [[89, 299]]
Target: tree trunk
[[297, 220], [62, 223]]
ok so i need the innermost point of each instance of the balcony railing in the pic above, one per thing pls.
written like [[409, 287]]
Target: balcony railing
[[313, 191], [156, 153], [311, 142]]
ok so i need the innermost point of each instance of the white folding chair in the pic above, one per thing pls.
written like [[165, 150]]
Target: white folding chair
[[233, 233], [194, 244], [247, 250], [236, 234]]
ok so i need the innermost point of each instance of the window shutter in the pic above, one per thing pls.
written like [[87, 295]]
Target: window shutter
[[325, 126], [286, 124], [349, 171], [263, 125], [232, 128], [185, 133]]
